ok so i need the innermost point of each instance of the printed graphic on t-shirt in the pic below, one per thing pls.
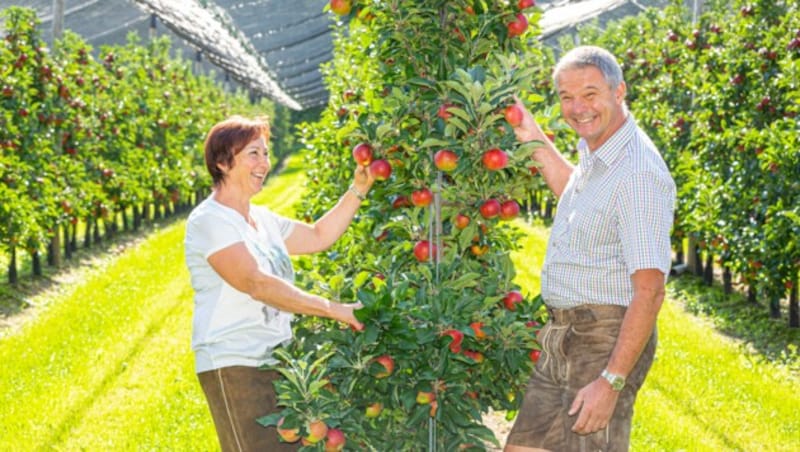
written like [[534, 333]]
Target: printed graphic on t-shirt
[[277, 263]]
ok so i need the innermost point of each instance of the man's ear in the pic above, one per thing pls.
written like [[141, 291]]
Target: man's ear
[[619, 93]]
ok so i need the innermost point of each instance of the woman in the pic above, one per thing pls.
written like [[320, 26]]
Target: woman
[[238, 258]]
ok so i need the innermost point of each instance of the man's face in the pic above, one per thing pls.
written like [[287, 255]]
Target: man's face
[[589, 105]]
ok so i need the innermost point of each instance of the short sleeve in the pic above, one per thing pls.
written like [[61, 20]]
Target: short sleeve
[[208, 233], [645, 211], [283, 225]]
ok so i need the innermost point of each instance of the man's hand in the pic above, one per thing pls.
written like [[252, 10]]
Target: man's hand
[[595, 405], [528, 129]]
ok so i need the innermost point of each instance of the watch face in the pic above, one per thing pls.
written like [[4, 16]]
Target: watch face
[[617, 382]]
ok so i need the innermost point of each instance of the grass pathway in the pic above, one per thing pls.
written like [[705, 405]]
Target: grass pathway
[[108, 366]]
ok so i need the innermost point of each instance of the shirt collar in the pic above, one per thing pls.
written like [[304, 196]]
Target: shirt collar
[[612, 149]]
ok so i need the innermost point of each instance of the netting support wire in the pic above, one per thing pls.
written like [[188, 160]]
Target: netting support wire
[[431, 435], [153, 25], [58, 19]]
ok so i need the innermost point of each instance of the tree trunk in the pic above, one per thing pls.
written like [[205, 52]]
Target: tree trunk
[[751, 294], [125, 225], [693, 256], [87, 237], [36, 261], [727, 281], [775, 308], [74, 238], [13, 277], [96, 229], [794, 308], [708, 271]]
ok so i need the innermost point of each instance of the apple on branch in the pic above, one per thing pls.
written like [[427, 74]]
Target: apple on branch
[[513, 115], [518, 25], [316, 431], [445, 160], [461, 221], [373, 410], [423, 250], [490, 208], [512, 299], [289, 435], [380, 169], [362, 154], [422, 197], [388, 366], [495, 159], [457, 338], [335, 440], [509, 210], [340, 7]]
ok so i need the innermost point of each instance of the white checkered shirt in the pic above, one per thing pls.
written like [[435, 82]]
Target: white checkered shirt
[[613, 218]]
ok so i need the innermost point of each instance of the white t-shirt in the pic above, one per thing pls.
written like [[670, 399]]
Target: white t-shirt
[[230, 328]]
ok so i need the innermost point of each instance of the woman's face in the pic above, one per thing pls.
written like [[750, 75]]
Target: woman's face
[[250, 168]]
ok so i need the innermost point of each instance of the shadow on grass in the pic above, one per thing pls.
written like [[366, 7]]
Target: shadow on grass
[[734, 316], [15, 299]]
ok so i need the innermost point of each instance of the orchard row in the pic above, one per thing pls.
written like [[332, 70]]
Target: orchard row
[[89, 138]]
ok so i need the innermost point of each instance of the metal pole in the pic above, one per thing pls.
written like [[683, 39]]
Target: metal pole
[[58, 19]]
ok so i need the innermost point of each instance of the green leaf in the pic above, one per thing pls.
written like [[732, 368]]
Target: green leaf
[[361, 278], [270, 420]]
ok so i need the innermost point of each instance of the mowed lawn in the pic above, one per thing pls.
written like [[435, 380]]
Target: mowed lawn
[[107, 365]]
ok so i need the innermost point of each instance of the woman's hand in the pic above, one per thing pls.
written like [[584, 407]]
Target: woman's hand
[[344, 312], [363, 179]]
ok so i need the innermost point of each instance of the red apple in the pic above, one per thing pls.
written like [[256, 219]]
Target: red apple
[[513, 115], [490, 208], [462, 221], [340, 7], [424, 397], [400, 201], [479, 250], [475, 355], [290, 435], [495, 159], [518, 25], [523, 4], [380, 169], [362, 154], [388, 365], [477, 327], [335, 440], [511, 300], [422, 197], [509, 210], [373, 410], [445, 160], [534, 355], [457, 338], [443, 113], [423, 251], [316, 431]]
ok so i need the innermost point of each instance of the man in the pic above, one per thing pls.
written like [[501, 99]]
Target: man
[[605, 269]]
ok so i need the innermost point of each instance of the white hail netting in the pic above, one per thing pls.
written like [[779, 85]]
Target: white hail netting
[[273, 47]]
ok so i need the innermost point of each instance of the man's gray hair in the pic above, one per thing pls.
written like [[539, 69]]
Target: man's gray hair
[[584, 56]]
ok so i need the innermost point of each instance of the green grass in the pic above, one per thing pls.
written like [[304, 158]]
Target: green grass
[[106, 364]]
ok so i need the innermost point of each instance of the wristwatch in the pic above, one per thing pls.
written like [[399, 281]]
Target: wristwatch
[[617, 381]]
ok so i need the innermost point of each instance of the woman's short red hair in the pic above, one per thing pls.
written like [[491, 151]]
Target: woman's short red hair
[[228, 138]]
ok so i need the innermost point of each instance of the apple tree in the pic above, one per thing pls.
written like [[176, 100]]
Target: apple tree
[[419, 90]]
